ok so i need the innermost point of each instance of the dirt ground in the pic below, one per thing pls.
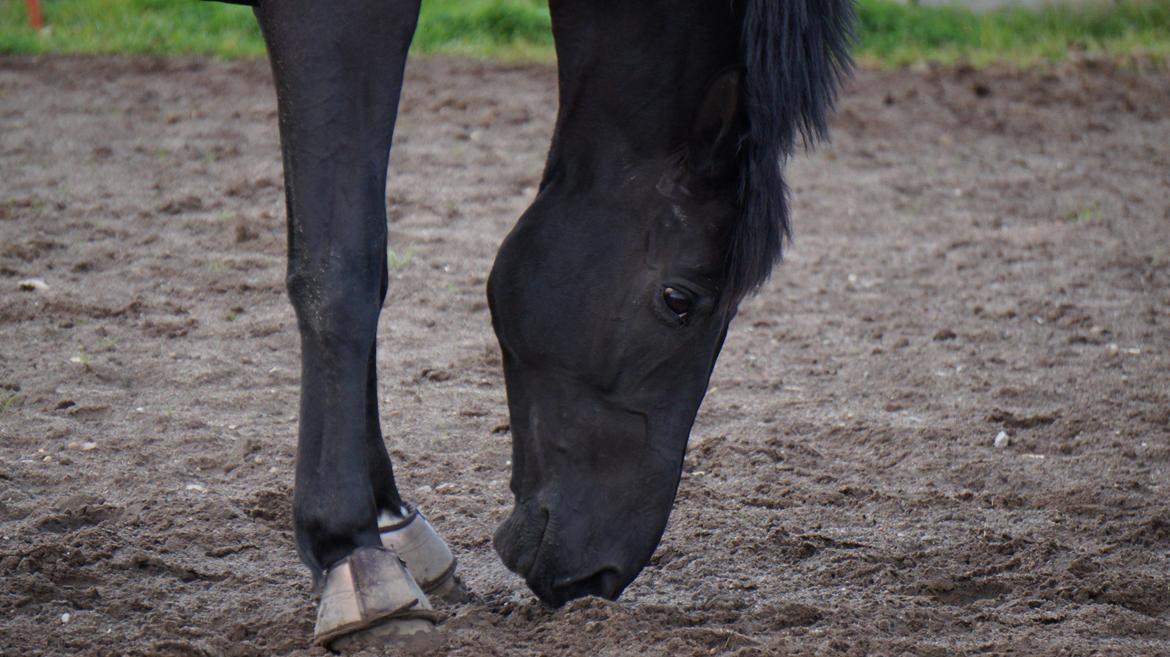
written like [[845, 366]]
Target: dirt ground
[[976, 253]]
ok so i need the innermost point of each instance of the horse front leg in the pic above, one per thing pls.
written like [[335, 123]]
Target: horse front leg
[[338, 68]]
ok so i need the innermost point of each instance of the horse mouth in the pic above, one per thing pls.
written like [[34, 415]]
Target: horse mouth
[[606, 582]]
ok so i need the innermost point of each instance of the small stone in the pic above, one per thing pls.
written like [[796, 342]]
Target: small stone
[[444, 488], [65, 617], [88, 446], [1002, 439], [33, 285], [424, 490], [945, 334], [199, 488], [1112, 349]]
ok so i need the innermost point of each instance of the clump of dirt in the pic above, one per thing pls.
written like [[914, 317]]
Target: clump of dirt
[[977, 252]]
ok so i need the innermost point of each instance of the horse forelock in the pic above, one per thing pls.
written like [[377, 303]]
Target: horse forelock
[[795, 55]]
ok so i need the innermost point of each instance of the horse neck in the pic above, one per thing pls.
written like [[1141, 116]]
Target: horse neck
[[631, 76]]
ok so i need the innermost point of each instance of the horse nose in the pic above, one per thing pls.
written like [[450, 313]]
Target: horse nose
[[517, 540], [606, 582]]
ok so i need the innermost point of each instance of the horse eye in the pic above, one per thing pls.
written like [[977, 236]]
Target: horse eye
[[680, 302]]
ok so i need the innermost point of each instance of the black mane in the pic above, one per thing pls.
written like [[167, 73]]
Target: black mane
[[795, 55]]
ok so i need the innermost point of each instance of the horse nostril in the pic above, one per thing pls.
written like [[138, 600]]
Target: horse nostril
[[605, 583], [517, 540]]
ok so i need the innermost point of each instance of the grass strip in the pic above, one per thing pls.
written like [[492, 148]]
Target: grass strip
[[890, 33]]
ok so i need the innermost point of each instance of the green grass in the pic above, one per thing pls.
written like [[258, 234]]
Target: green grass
[[503, 29], [896, 34], [7, 399], [507, 29], [890, 33], [164, 27], [399, 260]]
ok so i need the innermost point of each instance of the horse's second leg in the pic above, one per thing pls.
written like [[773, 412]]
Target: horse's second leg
[[338, 68]]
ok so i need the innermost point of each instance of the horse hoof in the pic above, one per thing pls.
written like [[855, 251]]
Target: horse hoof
[[410, 635], [426, 556], [370, 596]]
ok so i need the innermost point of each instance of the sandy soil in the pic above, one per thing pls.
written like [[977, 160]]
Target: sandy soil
[[976, 253]]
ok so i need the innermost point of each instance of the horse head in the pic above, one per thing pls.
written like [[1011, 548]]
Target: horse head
[[607, 308], [660, 208]]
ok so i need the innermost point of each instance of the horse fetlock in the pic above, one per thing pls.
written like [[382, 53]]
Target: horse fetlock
[[332, 534], [424, 552]]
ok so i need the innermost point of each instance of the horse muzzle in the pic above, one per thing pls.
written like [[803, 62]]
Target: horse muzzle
[[555, 567]]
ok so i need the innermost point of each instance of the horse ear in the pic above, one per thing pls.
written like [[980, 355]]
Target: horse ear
[[716, 131]]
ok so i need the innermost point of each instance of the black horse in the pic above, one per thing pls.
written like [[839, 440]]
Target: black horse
[[661, 206]]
